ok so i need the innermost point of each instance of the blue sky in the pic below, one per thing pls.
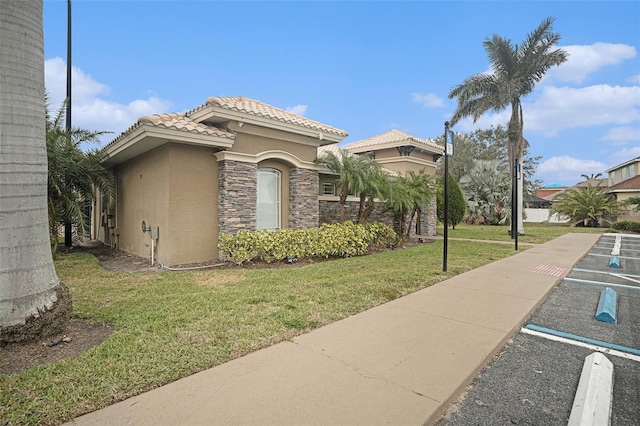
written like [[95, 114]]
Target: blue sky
[[362, 66]]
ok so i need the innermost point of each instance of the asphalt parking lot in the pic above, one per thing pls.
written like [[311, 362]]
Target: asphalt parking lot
[[533, 381]]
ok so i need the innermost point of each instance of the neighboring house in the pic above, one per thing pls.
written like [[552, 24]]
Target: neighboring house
[[624, 182], [398, 153], [231, 164]]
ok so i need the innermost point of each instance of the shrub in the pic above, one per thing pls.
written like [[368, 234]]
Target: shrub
[[330, 240], [627, 225]]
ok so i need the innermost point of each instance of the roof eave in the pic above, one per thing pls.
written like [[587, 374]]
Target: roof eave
[[210, 111], [156, 137]]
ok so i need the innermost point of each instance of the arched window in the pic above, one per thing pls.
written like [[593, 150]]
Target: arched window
[[268, 209]]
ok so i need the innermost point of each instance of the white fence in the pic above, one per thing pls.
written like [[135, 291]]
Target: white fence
[[542, 215]]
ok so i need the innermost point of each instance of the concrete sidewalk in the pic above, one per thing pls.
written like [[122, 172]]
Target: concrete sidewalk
[[399, 363]]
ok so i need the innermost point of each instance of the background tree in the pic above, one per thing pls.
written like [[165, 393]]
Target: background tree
[[487, 191], [586, 206], [489, 144], [457, 205], [515, 71], [74, 175], [33, 301]]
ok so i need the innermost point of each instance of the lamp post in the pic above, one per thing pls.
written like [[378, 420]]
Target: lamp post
[[513, 138], [448, 151]]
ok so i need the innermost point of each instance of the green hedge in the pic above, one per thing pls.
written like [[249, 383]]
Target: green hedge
[[627, 225], [330, 240]]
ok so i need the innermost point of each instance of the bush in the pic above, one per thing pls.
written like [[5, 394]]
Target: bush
[[330, 240], [627, 225]]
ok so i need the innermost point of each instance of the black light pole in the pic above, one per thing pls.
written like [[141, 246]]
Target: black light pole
[[514, 188], [68, 240], [446, 198]]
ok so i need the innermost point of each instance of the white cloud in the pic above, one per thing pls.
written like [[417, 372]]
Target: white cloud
[[429, 100], [566, 170], [622, 135], [624, 155], [634, 79], [584, 60], [560, 108], [90, 109], [298, 109]]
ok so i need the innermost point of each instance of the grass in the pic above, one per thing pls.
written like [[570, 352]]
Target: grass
[[173, 324], [535, 233]]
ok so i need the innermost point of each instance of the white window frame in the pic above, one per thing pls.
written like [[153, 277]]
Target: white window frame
[[268, 212]]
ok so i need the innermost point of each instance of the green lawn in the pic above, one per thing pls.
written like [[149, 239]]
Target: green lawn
[[172, 324], [535, 233]]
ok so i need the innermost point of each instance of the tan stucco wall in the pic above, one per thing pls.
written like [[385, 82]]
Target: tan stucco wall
[[193, 206], [303, 148], [143, 193], [284, 188], [628, 213], [176, 185]]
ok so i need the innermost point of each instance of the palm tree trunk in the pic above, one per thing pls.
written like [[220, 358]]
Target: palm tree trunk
[[33, 302]]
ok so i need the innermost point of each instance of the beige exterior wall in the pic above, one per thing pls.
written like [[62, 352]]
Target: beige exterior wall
[[628, 213], [177, 185], [304, 148], [193, 206], [615, 176]]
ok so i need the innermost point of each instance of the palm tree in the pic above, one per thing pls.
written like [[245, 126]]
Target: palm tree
[[374, 182], [515, 71], [33, 301], [586, 206], [74, 175], [406, 196], [351, 171], [486, 189]]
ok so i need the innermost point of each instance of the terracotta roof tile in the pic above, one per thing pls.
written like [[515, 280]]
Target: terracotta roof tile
[[393, 137], [179, 121], [326, 149], [259, 109], [175, 121]]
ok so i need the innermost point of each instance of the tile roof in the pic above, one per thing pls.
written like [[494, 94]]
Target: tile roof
[[393, 137], [326, 149], [179, 121], [176, 121], [626, 185], [259, 109]]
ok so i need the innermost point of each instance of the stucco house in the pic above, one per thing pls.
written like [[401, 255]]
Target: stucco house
[[398, 153], [233, 163], [624, 182]]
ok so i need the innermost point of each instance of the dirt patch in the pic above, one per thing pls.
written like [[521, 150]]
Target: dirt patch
[[78, 336]]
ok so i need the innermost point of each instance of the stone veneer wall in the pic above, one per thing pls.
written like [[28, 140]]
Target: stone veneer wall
[[330, 213], [237, 182], [303, 198]]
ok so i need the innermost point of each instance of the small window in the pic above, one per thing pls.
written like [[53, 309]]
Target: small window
[[328, 189], [612, 178], [624, 173], [632, 170]]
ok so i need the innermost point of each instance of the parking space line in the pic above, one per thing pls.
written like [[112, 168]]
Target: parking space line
[[608, 255], [582, 344], [577, 280], [595, 271]]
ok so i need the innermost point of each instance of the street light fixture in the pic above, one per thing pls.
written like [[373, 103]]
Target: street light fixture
[[513, 138]]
